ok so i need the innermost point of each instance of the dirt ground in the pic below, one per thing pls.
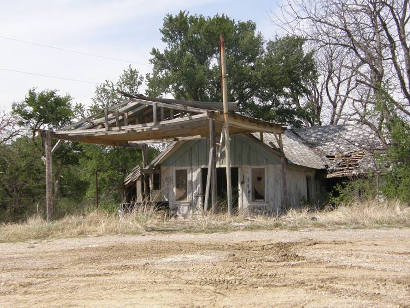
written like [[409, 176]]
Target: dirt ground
[[308, 268]]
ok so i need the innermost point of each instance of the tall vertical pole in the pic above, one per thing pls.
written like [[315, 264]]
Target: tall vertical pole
[[49, 182], [227, 141], [96, 188]]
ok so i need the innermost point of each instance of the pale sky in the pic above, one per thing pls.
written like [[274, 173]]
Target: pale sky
[[94, 40]]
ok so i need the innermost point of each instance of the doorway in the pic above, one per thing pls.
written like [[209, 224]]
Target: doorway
[[221, 191]]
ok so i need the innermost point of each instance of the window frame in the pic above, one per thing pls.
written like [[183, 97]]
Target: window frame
[[264, 193], [175, 185]]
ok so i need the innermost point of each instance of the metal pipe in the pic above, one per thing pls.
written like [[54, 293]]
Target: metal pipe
[[225, 109]]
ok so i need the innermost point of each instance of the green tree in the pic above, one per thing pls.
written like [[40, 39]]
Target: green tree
[[113, 164], [285, 75], [270, 83], [107, 94], [397, 180], [45, 109], [189, 65], [22, 176]]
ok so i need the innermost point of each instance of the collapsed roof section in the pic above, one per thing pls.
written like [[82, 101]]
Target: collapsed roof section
[[347, 150], [144, 120]]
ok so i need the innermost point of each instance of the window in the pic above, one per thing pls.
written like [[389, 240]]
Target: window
[[258, 184], [181, 182], [156, 181]]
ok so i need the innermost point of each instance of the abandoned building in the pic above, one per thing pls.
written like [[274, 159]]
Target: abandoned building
[[272, 168], [316, 158]]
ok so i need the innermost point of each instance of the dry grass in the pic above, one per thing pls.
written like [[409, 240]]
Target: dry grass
[[357, 215]]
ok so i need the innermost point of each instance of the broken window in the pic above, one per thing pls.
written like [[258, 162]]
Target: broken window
[[156, 181], [181, 181], [258, 184]]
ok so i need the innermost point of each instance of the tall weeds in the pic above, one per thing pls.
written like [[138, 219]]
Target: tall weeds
[[369, 214]]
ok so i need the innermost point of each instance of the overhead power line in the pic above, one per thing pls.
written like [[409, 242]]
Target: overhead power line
[[46, 76], [82, 53]]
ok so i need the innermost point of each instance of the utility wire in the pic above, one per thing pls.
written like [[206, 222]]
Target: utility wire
[[46, 76], [71, 50]]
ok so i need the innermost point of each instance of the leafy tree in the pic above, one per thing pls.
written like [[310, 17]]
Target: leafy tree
[[22, 176], [189, 65], [271, 84], [285, 75], [113, 164], [8, 128], [107, 93], [397, 180], [45, 109]]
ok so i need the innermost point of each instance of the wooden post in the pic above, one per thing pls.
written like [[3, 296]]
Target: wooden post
[[208, 180], [211, 176], [162, 114], [227, 141], [144, 164], [96, 188], [49, 175], [213, 166], [107, 125], [261, 136], [125, 118], [154, 114], [117, 120], [285, 202]]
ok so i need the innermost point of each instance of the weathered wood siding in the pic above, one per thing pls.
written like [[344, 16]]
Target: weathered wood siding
[[246, 154], [245, 151]]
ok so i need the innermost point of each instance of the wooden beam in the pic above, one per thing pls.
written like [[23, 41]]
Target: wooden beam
[[162, 114], [96, 188], [117, 120], [110, 117], [144, 164], [171, 103], [249, 124], [181, 107], [138, 143], [125, 116], [208, 180], [49, 175], [213, 166], [154, 114], [55, 147], [211, 176], [107, 125], [165, 125]]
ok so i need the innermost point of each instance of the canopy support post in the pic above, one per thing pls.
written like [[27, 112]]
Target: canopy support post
[[49, 175]]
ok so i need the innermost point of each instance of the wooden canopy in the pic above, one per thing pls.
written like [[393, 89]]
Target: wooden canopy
[[144, 120]]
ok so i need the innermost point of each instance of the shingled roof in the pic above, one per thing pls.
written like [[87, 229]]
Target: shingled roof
[[347, 150], [296, 152], [343, 150], [132, 176]]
